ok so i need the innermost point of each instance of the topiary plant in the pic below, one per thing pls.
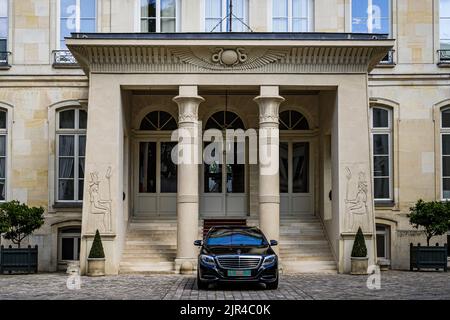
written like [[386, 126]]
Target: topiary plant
[[97, 247], [359, 246]]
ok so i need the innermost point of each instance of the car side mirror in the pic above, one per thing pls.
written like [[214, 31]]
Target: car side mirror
[[273, 243], [198, 243]]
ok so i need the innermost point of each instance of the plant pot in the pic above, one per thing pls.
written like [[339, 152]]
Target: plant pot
[[96, 267], [359, 265]]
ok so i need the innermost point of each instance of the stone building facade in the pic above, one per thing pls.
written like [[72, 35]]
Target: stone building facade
[[91, 90]]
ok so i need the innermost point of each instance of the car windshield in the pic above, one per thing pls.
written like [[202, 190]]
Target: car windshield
[[233, 237]]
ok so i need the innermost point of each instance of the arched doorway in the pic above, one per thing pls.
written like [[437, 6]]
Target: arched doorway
[[156, 174], [224, 185], [296, 167]]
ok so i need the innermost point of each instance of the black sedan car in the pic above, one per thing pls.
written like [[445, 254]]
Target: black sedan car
[[236, 254]]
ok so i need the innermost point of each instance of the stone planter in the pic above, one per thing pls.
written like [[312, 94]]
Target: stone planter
[[428, 257], [18, 260], [359, 265], [96, 267]]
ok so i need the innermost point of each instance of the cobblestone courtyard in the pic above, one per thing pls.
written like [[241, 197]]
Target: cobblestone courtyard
[[394, 285]]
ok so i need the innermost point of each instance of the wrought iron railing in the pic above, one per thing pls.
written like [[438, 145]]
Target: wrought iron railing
[[388, 60], [64, 59], [4, 57], [444, 56]]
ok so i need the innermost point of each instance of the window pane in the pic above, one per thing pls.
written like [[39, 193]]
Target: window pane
[[81, 145], [168, 168], [446, 188], [211, 23], [380, 118], [446, 144], [444, 8], [2, 119], [2, 145], [381, 166], [280, 9], [2, 168], [2, 189], [148, 8], [87, 25], [68, 8], [168, 8], [381, 188], [66, 167], [236, 171], [446, 119], [83, 120], [65, 190], [300, 8], [380, 144], [3, 8], [213, 9], [66, 146], [80, 189], [212, 176], [444, 28], [67, 119], [300, 167], [381, 245], [147, 167], [67, 248], [168, 25], [380, 16], [280, 25], [87, 9], [446, 166], [284, 167], [4, 29], [299, 25], [81, 167]]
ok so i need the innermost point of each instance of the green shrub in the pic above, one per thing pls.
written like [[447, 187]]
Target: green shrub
[[359, 246], [17, 220], [432, 216], [97, 247]]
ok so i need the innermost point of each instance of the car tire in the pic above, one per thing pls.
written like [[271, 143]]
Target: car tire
[[202, 285], [272, 285]]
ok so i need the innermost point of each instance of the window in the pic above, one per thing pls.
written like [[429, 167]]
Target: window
[[159, 15], [69, 244], [445, 133], [371, 16], [3, 154], [292, 15], [157, 171], [3, 30], [71, 145], [444, 24], [76, 16], [217, 16], [383, 241], [382, 153]]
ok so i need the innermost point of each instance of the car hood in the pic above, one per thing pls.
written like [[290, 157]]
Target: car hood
[[223, 250]]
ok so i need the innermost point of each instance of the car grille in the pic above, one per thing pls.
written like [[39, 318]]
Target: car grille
[[239, 262]]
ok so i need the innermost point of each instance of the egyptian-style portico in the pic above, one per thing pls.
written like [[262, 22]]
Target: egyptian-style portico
[[260, 75]]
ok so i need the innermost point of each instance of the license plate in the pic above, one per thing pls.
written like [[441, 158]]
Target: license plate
[[239, 273]]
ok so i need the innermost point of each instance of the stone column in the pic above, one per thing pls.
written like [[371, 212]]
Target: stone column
[[187, 178], [269, 192]]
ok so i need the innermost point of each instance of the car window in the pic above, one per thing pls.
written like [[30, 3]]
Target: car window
[[236, 238]]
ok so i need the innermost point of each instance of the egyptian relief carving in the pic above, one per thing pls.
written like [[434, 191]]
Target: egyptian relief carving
[[357, 203], [229, 58], [100, 200]]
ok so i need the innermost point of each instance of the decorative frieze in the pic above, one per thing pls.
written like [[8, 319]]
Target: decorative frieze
[[202, 59]]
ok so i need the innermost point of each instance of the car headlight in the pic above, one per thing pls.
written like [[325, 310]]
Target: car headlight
[[208, 260], [269, 260]]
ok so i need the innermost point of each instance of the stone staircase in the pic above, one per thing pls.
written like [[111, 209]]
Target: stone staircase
[[150, 247], [304, 247]]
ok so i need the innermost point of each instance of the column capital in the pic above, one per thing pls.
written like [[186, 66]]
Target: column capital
[[188, 108], [268, 109]]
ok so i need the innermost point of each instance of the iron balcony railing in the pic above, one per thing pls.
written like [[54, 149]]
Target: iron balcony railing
[[444, 56], [4, 59], [64, 59], [388, 60]]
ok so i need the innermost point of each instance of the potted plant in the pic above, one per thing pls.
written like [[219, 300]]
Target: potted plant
[[18, 221], [96, 258], [433, 217], [359, 259]]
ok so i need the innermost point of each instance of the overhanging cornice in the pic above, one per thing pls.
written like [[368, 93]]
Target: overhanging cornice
[[228, 53]]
